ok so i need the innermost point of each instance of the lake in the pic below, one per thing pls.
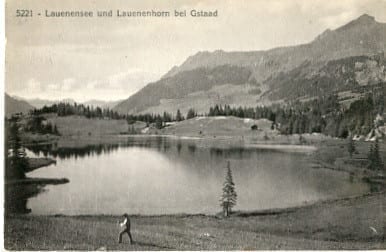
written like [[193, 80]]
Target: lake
[[159, 175]]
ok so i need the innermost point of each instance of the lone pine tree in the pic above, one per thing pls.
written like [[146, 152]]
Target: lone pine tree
[[229, 195]]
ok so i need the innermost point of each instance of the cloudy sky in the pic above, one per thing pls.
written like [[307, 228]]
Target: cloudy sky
[[112, 58]]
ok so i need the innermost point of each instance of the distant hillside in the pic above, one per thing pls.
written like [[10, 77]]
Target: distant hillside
[[101, 104], [81, 126], [251, 78], [13, 106], [220, 126], [39, 103], [183, 84]]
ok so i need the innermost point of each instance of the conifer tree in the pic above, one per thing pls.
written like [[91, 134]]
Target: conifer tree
[[191, 114], [351, 146], [374, 157], [370, 158], [158, 122], [229, 195], [56, 132], [377, 160], [16, 163], [179, 116]]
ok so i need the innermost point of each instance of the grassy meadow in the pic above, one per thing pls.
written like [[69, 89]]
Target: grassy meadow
[[355, 223]]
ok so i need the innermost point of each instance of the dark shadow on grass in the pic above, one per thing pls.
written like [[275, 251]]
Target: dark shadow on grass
[[264, 212]]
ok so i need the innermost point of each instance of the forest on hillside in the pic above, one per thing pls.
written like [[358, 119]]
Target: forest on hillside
[[324, 114]]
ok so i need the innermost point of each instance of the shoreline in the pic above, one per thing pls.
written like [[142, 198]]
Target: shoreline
[[36, 163], [38, 181], [280, 142], [18, 191], [237, 213], [347, 223]]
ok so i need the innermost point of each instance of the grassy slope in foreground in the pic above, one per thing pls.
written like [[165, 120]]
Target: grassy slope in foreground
[[340, 224]]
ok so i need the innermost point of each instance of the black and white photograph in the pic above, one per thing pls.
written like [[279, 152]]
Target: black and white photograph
[[194, 125]]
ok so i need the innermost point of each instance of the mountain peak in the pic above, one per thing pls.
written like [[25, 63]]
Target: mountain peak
[[361, 21], [365, 18]]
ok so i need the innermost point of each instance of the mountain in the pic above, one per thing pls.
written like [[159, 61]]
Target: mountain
[[13, 106], [248, 78], [101, 104], [39, 103], [363, 36], [186, 83]]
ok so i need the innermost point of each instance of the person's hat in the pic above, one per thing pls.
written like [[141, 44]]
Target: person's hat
[[125, 215]]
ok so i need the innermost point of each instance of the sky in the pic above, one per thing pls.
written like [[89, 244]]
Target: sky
[[112, 58]]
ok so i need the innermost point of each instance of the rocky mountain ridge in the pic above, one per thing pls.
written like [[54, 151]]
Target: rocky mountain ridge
[[264, 71]]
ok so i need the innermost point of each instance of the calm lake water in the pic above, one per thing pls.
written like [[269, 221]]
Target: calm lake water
[[157, 175]]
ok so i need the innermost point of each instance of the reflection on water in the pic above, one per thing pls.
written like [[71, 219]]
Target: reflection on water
[[156, 175]]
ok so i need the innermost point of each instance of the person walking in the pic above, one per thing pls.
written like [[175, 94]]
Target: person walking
[[125, 224]]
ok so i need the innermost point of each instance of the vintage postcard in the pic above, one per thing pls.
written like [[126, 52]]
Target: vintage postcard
[[195, 125]]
